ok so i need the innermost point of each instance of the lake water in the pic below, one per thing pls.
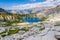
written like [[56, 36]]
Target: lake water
[[31, 20]]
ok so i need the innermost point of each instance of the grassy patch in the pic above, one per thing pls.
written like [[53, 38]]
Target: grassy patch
[[42, 28], [44, 18], [13, 31], [13, 22], [3, 34], [24, 29], [57, 25]]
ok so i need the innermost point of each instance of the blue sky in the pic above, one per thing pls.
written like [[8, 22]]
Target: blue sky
[[8, 3]]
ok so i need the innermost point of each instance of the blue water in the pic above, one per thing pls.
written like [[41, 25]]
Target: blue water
[[31, 20]]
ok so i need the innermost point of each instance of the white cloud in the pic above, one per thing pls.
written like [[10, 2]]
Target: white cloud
[[40, 4], [32, 0]]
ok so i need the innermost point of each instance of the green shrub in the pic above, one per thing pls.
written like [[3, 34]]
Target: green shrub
[[24, 29]]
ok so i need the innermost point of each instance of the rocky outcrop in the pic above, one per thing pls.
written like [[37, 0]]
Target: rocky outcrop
[[2, 10], [55, 10]]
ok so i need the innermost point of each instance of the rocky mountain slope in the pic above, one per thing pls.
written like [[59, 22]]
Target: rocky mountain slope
[[55, 10], [2, 10], [40, 31], [28, 11]]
